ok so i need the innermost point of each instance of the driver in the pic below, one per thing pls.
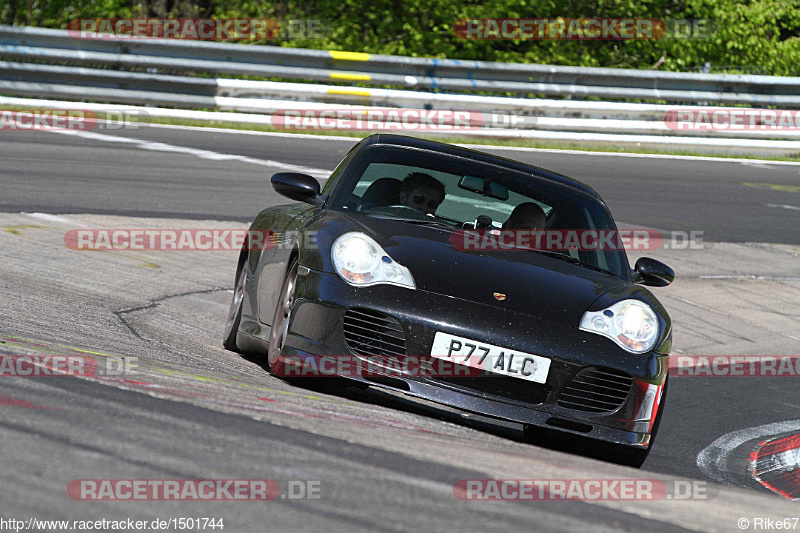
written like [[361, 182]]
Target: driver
[[423, 192], [526, 215]]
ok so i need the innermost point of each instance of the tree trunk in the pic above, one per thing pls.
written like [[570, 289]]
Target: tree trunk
[[12, 12]]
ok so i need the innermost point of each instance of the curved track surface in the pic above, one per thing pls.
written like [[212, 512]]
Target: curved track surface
[[191, 410]]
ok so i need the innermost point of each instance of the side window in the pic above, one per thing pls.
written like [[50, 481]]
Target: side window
[[337, 173], [605, 259]]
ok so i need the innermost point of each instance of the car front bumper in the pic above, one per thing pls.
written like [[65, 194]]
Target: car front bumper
[[316, 332]]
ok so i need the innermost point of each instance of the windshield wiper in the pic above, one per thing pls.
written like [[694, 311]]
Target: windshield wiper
[[427, 221], [574, 260]]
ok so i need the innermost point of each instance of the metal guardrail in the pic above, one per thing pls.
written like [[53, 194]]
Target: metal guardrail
[[415, 73], [184, 92], [33, 79], [52, 65], [627, 136]]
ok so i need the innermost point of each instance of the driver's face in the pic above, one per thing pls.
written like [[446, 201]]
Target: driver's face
[[423, 199]]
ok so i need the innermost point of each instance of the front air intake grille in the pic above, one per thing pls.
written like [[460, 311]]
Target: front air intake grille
[[596, 390], [370, 332]]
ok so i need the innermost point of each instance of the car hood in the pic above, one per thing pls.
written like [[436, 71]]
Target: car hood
[[519, 281]]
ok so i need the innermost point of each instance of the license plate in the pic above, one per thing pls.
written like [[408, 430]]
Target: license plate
[[490, 358]]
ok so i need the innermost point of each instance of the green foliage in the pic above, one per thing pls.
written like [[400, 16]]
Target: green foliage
[[760, 35]]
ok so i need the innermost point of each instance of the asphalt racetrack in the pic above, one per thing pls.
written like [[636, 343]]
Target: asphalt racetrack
[[346, 459]]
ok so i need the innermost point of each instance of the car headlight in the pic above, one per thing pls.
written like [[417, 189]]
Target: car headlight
[[630, 323], [361, 261]]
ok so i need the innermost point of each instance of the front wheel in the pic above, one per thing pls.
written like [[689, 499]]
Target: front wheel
[[280, 322], [625, 456], [235, 312]]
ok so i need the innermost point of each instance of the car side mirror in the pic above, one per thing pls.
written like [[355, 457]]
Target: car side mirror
[[651, 272], [297, 186]]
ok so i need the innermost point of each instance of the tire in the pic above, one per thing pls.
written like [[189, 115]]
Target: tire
[[235, 311], [280, 321], [625, 456]]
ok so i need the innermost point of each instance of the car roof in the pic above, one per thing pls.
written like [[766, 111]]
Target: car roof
[[460, 151]]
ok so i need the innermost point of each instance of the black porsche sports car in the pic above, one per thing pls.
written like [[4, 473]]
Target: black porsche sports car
[[373, 267]]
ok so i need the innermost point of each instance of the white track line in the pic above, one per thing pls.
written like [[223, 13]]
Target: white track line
[[784, 206], [202, 154]]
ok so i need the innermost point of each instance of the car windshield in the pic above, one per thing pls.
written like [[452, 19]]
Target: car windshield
[[422, 187]]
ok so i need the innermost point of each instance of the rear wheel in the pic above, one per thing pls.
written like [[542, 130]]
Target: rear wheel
[[235, 312], [280, 322]]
